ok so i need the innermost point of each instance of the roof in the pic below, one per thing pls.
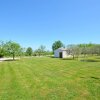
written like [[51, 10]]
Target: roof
[[63, 49]]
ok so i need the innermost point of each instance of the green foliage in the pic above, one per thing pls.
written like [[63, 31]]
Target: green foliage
[[57, 44], [29, 51], [12, 48], [49, 53], [90, 48], [84, 49], [2, 52], [74, 50], [40, 51]]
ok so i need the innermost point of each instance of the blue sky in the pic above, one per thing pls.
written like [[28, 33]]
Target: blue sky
[[36, 22]]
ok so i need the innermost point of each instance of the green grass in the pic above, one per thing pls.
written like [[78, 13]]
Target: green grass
[[49, 79]]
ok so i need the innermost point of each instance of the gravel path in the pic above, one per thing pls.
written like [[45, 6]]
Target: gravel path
[[3, 59]]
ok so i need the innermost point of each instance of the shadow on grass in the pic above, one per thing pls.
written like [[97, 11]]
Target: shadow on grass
[[67, 59], [92, 77], [90, 60], [82, 77], [97, 57], [11, 60], [95, 78], [51, 56], [61, 58], [55, 57]]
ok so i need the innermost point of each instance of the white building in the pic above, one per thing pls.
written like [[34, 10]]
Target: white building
[[61, 53]]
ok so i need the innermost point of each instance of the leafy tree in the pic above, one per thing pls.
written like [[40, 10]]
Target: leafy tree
[[97, 49], [57, 44], [83, 48], [12, 48], [89, 49], [74, 50], [2, 52], [49, 53], [40, 51], [29, 51], [42, 48], [21, 52]]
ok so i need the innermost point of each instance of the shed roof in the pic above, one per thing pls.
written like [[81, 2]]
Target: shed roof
[[63, 49]]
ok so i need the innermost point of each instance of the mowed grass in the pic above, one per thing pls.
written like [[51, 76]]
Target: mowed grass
[[49, 79]]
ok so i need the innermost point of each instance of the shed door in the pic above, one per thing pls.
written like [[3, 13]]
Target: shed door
[[60, 54]]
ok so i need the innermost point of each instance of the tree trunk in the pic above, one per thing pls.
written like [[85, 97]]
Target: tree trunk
[[84, 55], [77, 57], [13, 56], [73, 57]]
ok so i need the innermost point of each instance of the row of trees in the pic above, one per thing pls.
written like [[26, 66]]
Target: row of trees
[[11, 48], [41, 51], [79, 49], [84, 50]]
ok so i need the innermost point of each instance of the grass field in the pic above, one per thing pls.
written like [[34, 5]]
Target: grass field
[[49, 79]]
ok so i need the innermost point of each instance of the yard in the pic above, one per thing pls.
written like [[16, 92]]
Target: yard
[[45, 78]]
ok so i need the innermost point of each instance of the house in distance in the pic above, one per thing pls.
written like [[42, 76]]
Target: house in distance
[[61, 53]]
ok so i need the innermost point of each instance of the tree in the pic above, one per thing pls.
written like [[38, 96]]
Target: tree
[[49, 53], [74, 50], [84, 49], [12, 48], [21, 52], [40, 51], [42, 48], [96, 49], [57, 44], [29, 51], [2, 52]]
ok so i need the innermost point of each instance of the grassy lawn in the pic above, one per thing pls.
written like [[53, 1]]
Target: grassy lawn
[[49, 79]]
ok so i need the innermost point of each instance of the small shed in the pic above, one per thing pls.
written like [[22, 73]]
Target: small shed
[[61, 53]]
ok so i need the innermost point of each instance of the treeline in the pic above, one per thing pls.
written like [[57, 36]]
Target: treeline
[[11, 48], [41, 51], [84, 50], [79, 49]]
